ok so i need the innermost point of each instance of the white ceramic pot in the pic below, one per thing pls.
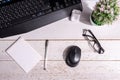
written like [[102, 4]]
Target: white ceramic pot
[[92, 23]]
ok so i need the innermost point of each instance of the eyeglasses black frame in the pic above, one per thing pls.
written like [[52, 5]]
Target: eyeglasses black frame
[[94, 39]]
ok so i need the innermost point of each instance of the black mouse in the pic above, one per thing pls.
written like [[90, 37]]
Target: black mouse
[[73, 55]]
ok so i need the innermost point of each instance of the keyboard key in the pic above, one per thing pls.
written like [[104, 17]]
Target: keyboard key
[[20, 11]]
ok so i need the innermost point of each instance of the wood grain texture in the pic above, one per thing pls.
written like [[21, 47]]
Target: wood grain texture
[[93, 66], [62, 34], [56, 49], [57, 70]]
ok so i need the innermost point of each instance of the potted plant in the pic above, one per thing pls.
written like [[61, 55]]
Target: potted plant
[[105, 12]]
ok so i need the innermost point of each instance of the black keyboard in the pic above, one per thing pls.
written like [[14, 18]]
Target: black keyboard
[[21, 16]]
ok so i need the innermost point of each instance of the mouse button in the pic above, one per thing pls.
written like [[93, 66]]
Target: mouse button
[[71, 56], [76, 58], [77, 54], [77, 50]]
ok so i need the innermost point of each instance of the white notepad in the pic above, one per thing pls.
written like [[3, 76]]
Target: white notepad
[[24, 55]]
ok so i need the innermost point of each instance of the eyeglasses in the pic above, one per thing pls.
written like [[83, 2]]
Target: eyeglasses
[[92, 40]]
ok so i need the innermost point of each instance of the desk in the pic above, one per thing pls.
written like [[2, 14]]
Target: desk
[[62, 34]]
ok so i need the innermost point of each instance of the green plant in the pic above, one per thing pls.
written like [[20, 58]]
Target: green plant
[[105, 12]]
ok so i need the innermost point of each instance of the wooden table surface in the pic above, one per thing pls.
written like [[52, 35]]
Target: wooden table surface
[[61, 34]]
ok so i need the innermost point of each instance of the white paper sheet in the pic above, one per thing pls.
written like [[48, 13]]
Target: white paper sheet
[[24, 55]]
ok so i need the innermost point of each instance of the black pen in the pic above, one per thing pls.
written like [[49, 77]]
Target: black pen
[[45, 55]]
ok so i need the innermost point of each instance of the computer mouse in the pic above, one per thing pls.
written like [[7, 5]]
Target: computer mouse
[[73, 55]]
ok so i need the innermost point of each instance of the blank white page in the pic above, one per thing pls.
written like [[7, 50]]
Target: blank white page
[[24, 55]]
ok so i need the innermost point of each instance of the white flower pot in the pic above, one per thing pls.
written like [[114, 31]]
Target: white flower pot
[[92, 23]]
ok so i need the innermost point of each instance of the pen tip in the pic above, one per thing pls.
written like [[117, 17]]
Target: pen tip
[[44, 68]]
